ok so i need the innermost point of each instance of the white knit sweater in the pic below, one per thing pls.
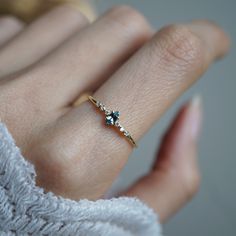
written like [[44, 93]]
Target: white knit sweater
[[26, 209]]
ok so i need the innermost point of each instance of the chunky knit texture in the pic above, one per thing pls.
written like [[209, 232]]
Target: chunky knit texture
[[26, 209]]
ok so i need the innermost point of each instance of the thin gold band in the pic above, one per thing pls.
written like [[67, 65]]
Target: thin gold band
[[112, 118]]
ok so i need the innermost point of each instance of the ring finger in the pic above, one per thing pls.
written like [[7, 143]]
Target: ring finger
[[9, 27], [141, 90]]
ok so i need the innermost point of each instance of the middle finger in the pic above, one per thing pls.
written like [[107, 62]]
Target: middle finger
[[89, 57]]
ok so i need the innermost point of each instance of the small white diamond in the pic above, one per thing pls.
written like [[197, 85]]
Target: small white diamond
[[107, 112], [112, 118], [122, 129]]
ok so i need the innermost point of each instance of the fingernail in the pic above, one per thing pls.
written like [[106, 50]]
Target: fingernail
[[194, 116]]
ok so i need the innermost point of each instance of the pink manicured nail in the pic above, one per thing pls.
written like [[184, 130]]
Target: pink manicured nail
[[194, 116]]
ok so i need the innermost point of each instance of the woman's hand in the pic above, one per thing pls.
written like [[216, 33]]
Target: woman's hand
[[50, 63]]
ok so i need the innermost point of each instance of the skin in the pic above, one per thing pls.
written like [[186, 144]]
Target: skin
[[46, 66]]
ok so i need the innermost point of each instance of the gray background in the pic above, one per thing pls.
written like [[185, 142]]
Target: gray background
[[213, 211]]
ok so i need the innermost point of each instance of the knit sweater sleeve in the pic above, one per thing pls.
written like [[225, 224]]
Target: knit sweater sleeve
[[26, 209]]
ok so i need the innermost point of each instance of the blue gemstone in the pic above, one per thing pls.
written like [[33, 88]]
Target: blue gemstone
[[112, 118], [109, 120], [116, 114]]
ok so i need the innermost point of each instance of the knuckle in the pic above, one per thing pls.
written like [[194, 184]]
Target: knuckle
[[73, 14], [51, 157], [191, 183], [10, 21], [12, 102], [21, 86], [180, 46], [130, 20]]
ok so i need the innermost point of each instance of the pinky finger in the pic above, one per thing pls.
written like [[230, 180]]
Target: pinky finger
[[9, 27], [175, 177]]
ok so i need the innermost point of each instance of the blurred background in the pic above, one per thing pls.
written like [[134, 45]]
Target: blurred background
[[213, 210]]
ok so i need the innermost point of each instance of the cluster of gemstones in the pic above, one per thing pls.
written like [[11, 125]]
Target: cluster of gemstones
[[112, 118]]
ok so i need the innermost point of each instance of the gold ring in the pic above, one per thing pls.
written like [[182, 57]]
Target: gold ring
[[112, 119]]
